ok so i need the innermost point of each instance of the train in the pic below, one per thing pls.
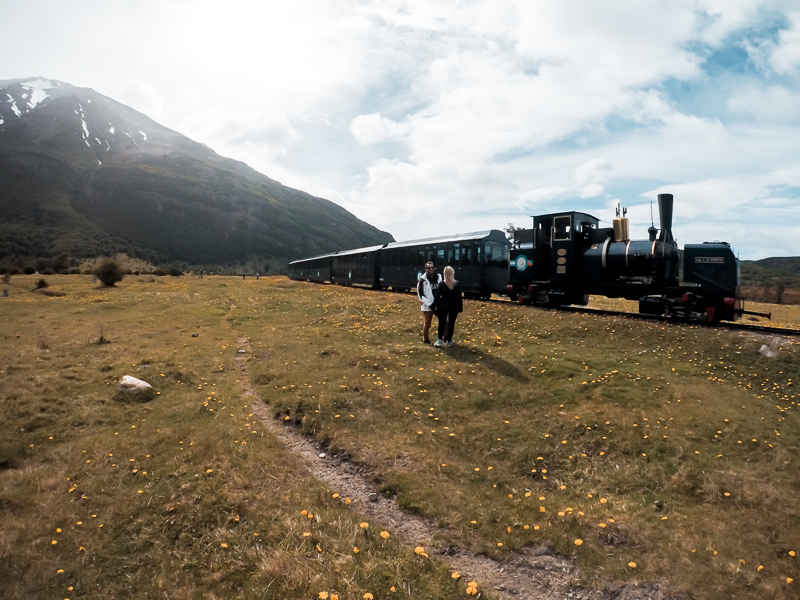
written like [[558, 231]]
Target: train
[[562, 260], [479, 258]]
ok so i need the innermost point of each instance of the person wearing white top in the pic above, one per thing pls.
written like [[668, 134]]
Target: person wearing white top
[[426, 292]]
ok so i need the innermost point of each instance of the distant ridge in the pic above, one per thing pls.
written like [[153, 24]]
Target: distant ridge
[[773, 280], [784, 264], [85, 175]]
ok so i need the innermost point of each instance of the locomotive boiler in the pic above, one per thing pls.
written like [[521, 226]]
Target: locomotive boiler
[[567, 257]]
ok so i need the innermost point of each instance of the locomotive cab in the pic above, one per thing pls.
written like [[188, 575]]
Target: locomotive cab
[[549, 269]]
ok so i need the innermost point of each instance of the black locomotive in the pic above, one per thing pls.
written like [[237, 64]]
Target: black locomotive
[[567, 257], [563, 260]]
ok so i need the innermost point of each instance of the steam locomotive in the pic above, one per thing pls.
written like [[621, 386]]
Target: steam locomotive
[[562, 260], [566, 257]]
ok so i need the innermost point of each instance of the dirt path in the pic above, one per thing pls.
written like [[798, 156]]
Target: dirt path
[[534, 573]]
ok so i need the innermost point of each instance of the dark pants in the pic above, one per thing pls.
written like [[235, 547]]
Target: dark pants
[[427, 319], [447, 323]]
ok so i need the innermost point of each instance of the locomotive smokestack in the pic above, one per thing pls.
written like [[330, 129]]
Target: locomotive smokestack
[[665, 216]]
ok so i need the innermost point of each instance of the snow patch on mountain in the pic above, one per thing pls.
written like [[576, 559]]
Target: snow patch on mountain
[[21, 97], [38, 91], [35, 92]]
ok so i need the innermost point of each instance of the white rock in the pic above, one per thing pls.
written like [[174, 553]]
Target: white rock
[[768, 352], [130, 386]]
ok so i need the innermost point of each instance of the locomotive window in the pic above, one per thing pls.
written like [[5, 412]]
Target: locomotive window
[[542, 235], [561, 229]]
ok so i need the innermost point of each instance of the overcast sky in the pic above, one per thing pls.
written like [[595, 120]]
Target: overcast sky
[[430, 117]]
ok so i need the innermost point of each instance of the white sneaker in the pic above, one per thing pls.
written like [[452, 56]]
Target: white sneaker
[[450, 344], [438, 343]]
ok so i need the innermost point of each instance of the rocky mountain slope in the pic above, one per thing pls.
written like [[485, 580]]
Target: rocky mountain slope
[[83, 174]]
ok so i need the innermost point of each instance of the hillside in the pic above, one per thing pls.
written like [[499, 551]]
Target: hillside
[[772, 280], [85, 175]]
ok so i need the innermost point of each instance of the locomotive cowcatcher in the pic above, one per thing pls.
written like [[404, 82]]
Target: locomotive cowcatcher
[[567, 256]]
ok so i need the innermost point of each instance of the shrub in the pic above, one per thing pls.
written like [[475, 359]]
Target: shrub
[[109, 272], [42, 283], [29, 270]]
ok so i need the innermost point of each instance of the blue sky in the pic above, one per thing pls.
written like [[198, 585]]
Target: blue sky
[[429, 118]]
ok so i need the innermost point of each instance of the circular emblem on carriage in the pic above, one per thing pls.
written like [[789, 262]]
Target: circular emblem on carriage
[[521, 262]]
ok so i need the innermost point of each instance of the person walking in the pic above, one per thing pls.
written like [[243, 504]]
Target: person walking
[[426, 289], [449, 302]]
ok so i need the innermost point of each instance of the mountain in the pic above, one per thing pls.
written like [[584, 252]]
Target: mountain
[[85, 175]]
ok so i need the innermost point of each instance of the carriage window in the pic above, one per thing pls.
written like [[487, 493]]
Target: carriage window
[[451, 254], [466, 255], [561, 229], [495, 254], [440, 257]]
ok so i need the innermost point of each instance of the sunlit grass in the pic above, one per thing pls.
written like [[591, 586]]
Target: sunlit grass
[[669, 447]]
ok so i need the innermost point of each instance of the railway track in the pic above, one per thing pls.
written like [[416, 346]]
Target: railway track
[[620, 313], [723, 324]]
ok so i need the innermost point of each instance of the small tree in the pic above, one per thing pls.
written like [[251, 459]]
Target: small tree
[[109, 272]]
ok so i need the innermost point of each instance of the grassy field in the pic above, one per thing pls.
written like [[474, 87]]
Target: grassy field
[[647, 452]]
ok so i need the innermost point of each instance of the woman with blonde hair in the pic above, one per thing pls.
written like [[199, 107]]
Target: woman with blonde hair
[[449, 302]]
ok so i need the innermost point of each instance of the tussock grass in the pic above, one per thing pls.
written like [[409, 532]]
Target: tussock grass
[[667, 446], [184, 496]]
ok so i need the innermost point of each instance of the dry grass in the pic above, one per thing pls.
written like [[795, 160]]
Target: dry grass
[[671, 447], [183, 497]]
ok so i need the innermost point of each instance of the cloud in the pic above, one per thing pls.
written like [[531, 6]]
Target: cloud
[[773, 104], [142, 96], [374, 129], [785, 57], [271, 133], [590, 176], [536, 197]]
